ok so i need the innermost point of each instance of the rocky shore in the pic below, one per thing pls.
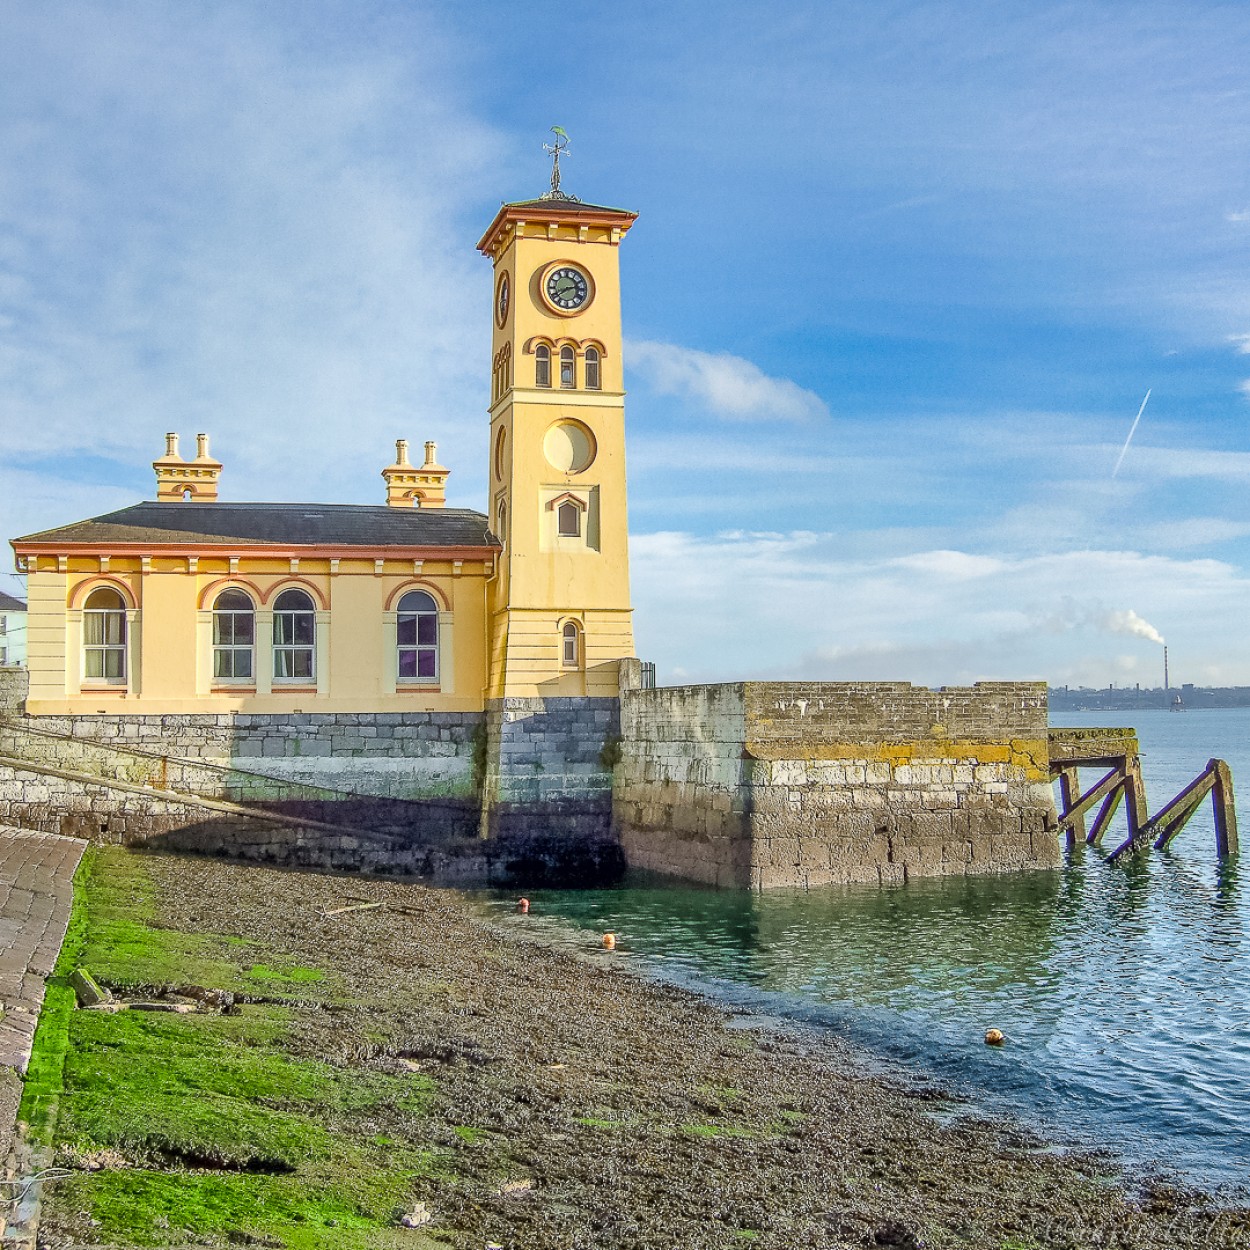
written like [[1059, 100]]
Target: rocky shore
[[577, 1106]]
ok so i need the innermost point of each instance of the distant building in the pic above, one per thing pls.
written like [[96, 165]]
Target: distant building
[[12, 630]]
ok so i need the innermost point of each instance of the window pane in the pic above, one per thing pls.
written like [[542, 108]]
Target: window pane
[[426, 664], [417, 601], [104, 598], [304, 627], [95, 663], [293, 601], [221, 664], [407, 663], [283, 629], [427, 629], [114, 663], [244, 628], [302, 663], [569, 520], [223, 628], [407, 631], [242, 663], [114, 628], [93, 629]]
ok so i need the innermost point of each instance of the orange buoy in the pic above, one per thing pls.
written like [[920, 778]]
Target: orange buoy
[[523, 906], [994, 1037], [609, 941]]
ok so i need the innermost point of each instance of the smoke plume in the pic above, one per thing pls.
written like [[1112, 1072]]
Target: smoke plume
[[1130, 623]]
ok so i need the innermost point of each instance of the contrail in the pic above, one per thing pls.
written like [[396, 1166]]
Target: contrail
[[1131, 432]]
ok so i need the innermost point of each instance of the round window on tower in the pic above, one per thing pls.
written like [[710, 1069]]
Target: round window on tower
[[569, 447]]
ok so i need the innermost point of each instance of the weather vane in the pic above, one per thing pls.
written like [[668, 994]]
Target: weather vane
[[555, 151]]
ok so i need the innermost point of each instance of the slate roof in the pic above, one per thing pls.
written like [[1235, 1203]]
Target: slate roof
[[565, 202], [9, 604], [281, 524]]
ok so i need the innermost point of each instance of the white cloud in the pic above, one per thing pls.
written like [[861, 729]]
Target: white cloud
[[790, 605], [728, 386], [224, 227], [1242, 341]]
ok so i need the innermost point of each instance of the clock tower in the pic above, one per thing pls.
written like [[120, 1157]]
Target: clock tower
[[560, 616]]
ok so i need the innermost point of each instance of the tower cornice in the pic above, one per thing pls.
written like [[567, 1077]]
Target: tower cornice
[[548, 211]]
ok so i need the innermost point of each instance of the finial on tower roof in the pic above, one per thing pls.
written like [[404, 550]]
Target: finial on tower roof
[[555, 150]]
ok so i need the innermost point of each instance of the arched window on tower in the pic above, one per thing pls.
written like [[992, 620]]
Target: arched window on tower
[[294, 638], [592, 368], [234, 637], [104, 636], [568, 368], [542, 365], [417, 635], [570, 645]]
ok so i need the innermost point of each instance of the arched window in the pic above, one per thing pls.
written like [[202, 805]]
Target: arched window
[[592, 368], [568, 369], [104, 636], [569, 520], [417, 634], [542, 365], [501, 531], [571, 645], [294, 637], [234, 637]]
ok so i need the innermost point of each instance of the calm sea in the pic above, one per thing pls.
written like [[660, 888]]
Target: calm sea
[[1124, 992]]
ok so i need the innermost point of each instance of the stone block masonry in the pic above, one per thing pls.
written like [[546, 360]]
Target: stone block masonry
[[767, 784], [548, 766]]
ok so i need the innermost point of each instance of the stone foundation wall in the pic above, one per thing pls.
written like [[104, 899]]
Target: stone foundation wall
[[548, 766], [397, 755], [802, 784], [55, 801]]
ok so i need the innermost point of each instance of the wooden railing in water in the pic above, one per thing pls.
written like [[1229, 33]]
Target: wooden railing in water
[[1116, 754]]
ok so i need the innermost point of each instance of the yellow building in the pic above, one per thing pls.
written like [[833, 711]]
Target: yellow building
[[190, 605]]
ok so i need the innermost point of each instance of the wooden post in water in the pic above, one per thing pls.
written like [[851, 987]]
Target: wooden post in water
[[1225, 809], [1069, 793]]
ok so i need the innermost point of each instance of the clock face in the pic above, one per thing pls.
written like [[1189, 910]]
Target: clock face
[[501, 300], [567, 289]]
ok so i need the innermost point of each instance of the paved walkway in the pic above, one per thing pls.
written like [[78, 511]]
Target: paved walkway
[[36, 892]]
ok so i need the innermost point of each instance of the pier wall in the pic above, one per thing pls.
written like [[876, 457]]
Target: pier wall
[[768, 784]]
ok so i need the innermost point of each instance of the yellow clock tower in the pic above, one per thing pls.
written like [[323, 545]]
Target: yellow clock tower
[[561, 615]]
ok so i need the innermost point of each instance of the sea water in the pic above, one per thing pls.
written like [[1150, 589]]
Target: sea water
[[1124, 991]]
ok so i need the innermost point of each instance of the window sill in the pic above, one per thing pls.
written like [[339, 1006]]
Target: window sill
[[232, 690], [416, 687], [104, 687], [283, 688]]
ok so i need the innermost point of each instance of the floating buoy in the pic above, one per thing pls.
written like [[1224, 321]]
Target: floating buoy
[[994, 1037], [523, 906], [609, 941]]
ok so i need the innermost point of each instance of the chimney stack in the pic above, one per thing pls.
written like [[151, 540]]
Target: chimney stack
[[178, 480], [408, 486]]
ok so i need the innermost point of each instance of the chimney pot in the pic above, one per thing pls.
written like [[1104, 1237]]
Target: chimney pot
[[171, 444], [401, 451], [430, 449], [201, 446]]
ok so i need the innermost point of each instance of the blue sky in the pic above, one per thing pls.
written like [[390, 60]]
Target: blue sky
[[902, 276]]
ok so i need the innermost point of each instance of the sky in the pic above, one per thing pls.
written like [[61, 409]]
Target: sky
[[902, 277]]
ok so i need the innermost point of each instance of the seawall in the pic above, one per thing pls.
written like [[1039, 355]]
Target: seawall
[[769, 784]]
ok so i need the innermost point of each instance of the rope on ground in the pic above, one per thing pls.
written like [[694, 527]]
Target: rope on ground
[[23, 1187]]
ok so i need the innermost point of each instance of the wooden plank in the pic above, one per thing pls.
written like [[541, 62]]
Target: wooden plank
[[1110, 806], [1112, 781], [1164, 825]]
